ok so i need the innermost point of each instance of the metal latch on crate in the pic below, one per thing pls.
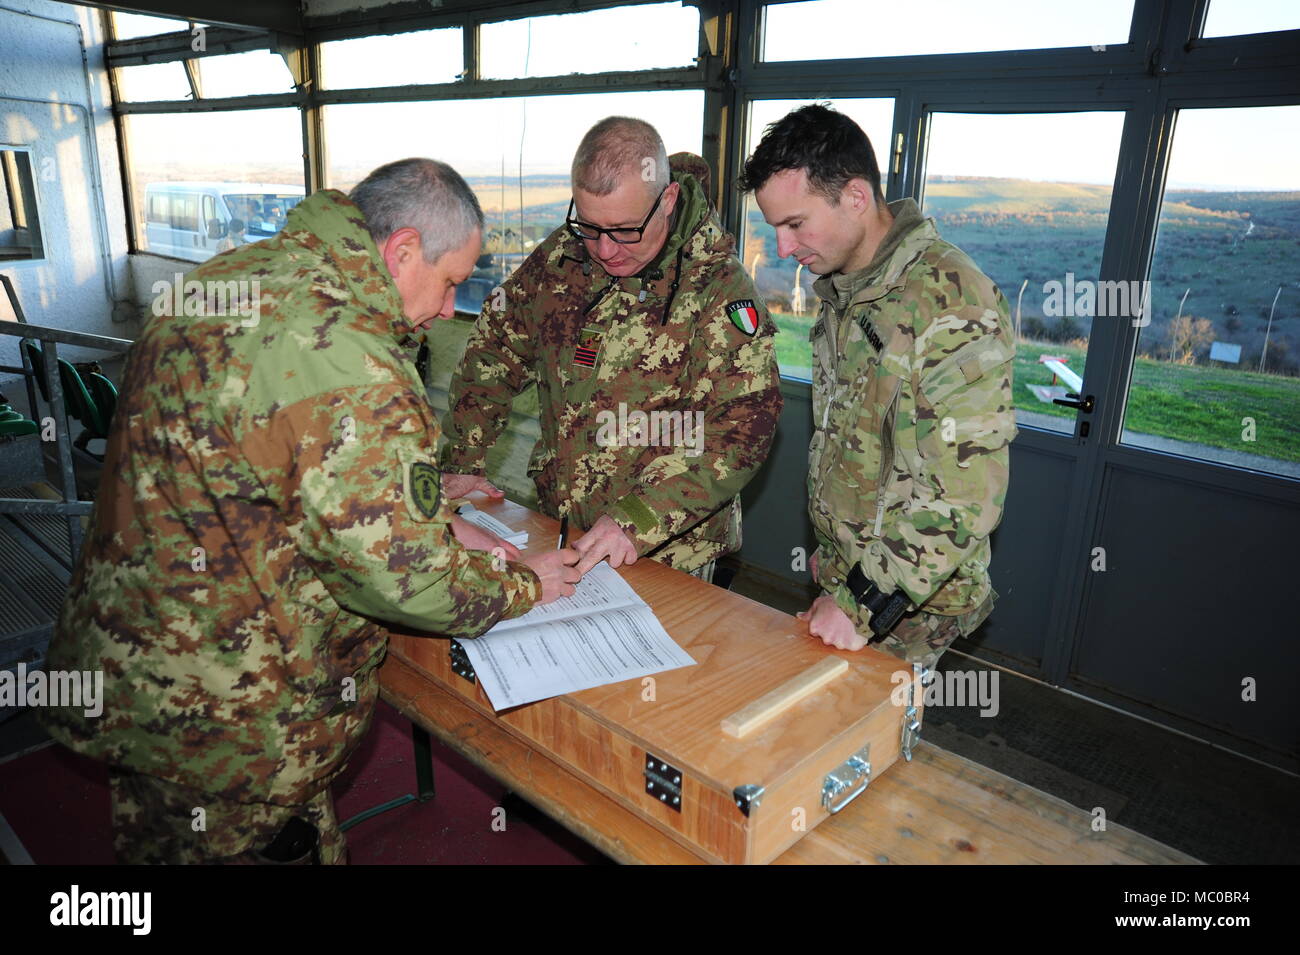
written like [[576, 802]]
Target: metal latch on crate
[[851, 777], [911, 725], [664, 782], [460, 664]]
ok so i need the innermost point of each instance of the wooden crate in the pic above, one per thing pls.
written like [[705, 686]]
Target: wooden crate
[[656, 745]]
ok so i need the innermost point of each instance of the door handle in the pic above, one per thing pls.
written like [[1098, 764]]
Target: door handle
[[1072, 400]]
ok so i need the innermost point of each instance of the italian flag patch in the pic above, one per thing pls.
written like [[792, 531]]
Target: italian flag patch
[[744, 315]]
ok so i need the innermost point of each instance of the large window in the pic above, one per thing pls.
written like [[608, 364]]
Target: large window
[[207, 182], [1216, 376], [598, 41], [835, 29], [1027, 196], [515, 153], [1236, 17], [784, 284], [403, 59]]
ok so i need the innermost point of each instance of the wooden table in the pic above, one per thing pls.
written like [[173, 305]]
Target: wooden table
[[939, 808]]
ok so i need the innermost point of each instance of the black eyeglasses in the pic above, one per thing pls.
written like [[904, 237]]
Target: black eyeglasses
[[584, 230]]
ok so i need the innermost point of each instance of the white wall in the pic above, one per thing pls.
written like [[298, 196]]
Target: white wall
[[54, 98]]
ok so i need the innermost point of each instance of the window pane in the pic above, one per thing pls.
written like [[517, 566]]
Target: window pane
[[426, 56], [20, 227], [207, 182], [834, 29], [131, 26], [1027, 196], [1250, 16], [1216, 371], [599, 41], [153, 81], [786, 286], [243, 74], [515, 153]]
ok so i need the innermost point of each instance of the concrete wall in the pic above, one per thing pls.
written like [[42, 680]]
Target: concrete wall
[[54, 99]]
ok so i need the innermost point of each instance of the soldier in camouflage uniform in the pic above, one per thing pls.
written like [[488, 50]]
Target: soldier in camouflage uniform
[[913, 348], [269, 495], [654, 362]]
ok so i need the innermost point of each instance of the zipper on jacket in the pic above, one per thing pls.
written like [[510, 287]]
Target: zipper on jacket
[[886, 456]]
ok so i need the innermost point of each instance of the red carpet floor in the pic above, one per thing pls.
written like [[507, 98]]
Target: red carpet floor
[[57, 803]]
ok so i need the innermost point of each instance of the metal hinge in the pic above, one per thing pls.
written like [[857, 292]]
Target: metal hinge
[[911, 725], [460, 664], [664, 782], [852, 777], [747, 797]]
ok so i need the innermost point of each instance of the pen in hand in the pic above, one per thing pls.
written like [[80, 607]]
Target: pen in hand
[[564, 532]]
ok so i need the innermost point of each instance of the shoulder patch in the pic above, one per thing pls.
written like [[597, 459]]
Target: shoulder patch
[[426, 484], [743, 315]]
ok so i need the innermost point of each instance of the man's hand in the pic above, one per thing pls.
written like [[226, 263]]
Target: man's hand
[[832, 624], [558, 572], [459, 485], [605, 539], [474, 537]]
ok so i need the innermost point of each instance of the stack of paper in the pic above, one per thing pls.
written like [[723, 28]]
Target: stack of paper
[[489, 523], [602, 634]]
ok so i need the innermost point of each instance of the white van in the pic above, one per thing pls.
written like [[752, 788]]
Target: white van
[[196, 220]]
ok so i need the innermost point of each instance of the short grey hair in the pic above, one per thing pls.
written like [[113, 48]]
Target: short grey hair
[[421, 194], [616, 147]]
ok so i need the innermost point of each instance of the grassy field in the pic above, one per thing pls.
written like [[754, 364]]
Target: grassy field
[[1192, 403]]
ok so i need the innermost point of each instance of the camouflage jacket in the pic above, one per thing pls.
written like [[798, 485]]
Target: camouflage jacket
[[269, 496], [912, 410], [618, 388]]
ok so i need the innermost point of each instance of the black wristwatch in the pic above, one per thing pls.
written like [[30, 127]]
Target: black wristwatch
[[886, 609]]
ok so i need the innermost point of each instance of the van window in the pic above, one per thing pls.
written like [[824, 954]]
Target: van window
[[160, 208], [209, 210], [263, 212], [185, 213]]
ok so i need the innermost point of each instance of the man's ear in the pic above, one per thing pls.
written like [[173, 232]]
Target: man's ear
[[400, 248], [671, 196], [859, 194]]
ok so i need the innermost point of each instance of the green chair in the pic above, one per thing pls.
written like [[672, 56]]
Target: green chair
[[93, 407]]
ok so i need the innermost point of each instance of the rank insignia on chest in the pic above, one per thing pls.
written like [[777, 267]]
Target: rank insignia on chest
[[588, 348], [870, 331], [743, 315]]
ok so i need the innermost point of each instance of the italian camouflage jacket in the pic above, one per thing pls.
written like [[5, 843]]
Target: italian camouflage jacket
[[269, 499], [908, 464], [625, 367]]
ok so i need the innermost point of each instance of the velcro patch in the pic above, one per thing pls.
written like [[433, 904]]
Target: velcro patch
[[744, 315], [426, 486]]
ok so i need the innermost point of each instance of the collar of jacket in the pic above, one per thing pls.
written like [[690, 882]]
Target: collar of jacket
[[696, 228], [331, 226], [909, 236]]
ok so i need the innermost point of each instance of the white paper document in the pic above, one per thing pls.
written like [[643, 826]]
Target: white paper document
[[602, 634], [489, 523]]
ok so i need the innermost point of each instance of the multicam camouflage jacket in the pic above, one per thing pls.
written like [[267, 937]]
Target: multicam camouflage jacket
[[912, 410], [659, 393], [269, 496]]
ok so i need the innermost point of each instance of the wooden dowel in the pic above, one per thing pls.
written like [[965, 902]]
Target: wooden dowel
[[748, 718]]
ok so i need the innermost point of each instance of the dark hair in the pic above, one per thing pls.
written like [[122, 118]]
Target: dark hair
[[829, 145]]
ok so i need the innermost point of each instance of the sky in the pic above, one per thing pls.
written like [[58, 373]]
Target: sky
[[1213, 149]]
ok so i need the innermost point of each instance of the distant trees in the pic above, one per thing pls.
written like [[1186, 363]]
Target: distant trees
[[1188, 336]]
